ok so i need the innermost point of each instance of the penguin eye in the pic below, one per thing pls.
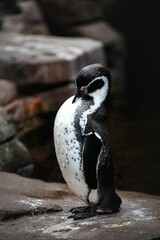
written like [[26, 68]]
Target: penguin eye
[[84, 90], [95, 85]]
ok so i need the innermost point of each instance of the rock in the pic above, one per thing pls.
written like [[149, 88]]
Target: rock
[[39, 59], [9, 6], [43, 69], [100, 31], [31, 11], [8, 91], [33, 117], [28, 107], [29, 20], [22, 196], [7, 130], [138, 218], [13, 154], [115, 49], [88, 19], [60, 14]]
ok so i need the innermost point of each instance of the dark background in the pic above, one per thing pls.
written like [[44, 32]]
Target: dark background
[[137, 159], [139, 21]]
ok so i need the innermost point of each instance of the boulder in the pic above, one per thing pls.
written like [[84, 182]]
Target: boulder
[[8, 91], [28, 20], [61, 14], [25, 108], [13, 154], [35, 59], [7, 131]]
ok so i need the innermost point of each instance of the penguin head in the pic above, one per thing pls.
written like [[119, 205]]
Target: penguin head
[[90, 80]]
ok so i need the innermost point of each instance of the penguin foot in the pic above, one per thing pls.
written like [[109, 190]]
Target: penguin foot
[[83, 212], [111, 203]]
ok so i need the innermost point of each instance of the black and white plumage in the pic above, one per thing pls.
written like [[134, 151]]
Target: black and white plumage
[[82, 143]]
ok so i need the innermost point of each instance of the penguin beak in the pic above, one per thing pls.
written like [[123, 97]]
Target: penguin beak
[[77, 96]]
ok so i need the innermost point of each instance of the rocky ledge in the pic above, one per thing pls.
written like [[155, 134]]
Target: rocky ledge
[[33, 209]]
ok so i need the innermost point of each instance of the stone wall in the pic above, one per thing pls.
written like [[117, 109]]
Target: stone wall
[[40, 73], [38, 67]]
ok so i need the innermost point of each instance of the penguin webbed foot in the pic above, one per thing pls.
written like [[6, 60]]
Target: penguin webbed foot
[[83, 212], [112, 202]]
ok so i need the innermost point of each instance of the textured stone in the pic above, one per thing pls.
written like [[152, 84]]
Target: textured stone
[[8, 91], [39, 59], [13, 154], [115, 49], [99, 30], [138, 218], [22, 196], [88, 19], [29, 20], [24, 108], [6, 130], [61, 13]]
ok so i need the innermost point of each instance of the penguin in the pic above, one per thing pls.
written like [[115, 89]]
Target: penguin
[[82, 147]]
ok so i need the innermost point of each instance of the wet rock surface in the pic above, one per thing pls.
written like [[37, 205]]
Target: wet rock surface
[[139, 217]]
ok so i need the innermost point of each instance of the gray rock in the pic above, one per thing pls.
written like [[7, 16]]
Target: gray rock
[[32, 59], [87, 19], [29, 20], [22, 196], [8, 91], [115, 48], [7, 130], [28, 107], [138, 219], [13, 154], [64, 13]]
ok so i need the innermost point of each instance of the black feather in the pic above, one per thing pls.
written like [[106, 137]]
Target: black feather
[[91, 150]]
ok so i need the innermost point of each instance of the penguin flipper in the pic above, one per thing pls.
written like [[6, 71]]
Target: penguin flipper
[[91, 149]]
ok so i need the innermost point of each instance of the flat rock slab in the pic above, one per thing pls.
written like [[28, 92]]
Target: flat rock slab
[[28, 107], [139, 217], [28, 59]]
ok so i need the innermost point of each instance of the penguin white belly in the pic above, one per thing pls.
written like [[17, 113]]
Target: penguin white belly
[[69, 150]]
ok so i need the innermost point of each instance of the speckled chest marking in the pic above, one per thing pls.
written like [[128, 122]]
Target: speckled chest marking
[[68, 149]]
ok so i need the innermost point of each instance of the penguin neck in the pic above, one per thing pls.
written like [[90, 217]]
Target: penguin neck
[[98, 97]]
